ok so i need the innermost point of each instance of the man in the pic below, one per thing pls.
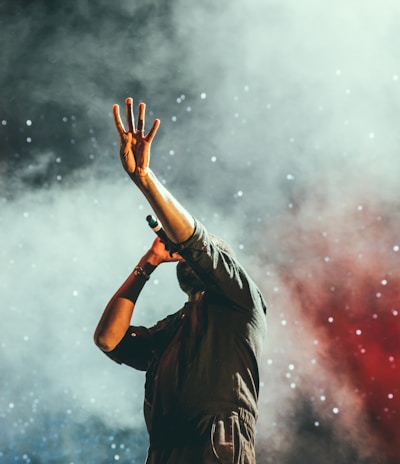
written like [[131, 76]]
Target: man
[[201, 363]]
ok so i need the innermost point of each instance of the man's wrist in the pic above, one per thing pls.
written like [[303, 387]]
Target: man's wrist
[[149, 268], [144, 270], [140, 272], [145, 182], [141, 180]]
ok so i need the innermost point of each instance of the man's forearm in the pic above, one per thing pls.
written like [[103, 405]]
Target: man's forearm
[[176, 220], [117, 315]]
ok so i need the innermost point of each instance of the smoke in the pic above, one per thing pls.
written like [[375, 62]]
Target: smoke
[[279, 130]]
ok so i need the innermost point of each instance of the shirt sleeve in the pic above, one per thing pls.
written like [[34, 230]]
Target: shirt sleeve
[[220, 270], [134, 349], [141, 344]]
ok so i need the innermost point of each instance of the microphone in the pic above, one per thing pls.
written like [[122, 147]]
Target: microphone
[[156, 226]]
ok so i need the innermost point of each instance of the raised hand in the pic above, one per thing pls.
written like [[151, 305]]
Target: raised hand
[[134, 145]]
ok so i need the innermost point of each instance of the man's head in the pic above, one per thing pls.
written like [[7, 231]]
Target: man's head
[[188, 280]]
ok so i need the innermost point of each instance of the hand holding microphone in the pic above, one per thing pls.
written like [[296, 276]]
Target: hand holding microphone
[[156, 226]]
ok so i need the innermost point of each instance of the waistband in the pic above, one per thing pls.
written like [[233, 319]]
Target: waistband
[[170, 430]]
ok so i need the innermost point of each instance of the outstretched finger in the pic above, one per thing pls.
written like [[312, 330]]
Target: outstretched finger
[[141, 112], [153, 130], [130, 119], [117, 120]]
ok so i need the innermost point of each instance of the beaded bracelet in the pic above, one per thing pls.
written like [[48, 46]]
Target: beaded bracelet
[[139, 271]]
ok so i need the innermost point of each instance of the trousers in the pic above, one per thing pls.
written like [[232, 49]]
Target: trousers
[[228, 439]]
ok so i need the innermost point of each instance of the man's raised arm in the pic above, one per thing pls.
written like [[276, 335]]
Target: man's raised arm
[[135, 157]]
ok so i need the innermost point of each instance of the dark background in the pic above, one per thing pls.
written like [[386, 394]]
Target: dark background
[[280, 132]]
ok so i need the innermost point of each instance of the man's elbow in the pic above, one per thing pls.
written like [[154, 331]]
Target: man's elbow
[[104, 342]]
